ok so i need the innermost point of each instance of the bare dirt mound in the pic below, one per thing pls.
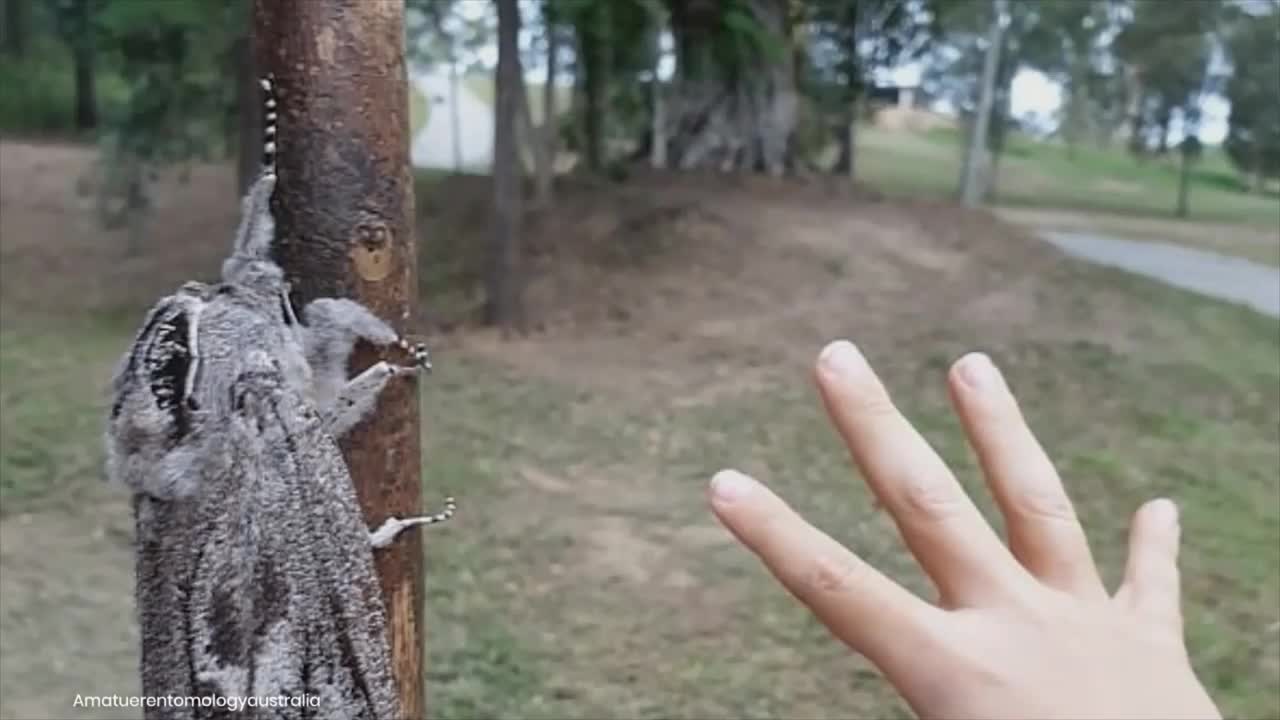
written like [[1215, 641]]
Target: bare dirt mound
[[55, 255], [702, 269]]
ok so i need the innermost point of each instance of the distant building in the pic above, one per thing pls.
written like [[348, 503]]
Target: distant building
[[901, 96]]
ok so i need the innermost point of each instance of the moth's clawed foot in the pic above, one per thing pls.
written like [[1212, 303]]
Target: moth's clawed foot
[[419, 354], [393, 526]]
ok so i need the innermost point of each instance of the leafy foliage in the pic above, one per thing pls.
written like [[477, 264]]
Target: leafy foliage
[[173, 58], [1253, 140]]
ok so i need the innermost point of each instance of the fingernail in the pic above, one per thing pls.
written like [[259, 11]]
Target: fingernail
[[1164, 511], [841, 357], [978, 372], [730, 485]]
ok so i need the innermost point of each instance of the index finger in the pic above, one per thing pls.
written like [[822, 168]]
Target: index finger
[[869, 612]]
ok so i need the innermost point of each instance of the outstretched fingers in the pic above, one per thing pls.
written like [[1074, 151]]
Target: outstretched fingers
[[862, 607], [1044, 533], [938, 521]]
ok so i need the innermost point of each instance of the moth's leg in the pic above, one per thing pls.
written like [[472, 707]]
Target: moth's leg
[[335, 324], [393, 526], [357, 398]]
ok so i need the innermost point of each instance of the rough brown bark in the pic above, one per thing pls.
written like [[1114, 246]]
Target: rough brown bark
[[344, 209], [502, 307]]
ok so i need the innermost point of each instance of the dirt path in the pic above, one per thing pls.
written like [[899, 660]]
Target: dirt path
[[1218, 276]]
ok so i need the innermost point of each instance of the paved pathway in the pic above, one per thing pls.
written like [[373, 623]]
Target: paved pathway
[[1226, 278]]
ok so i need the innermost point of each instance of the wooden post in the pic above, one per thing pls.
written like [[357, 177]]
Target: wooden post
[[344, 213]]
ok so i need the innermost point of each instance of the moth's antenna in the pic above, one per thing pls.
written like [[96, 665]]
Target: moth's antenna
[[269, 107]]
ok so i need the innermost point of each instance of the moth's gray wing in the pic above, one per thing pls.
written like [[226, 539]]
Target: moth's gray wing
[[264, 585]]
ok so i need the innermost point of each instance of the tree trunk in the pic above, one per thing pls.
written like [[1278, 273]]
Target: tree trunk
[[548, 136], [971, 179], [1075, 109], [736, 120], [1184, 185], [658, 118], [1166, 119], [855, 114], [594, 71], [86, 90], [999, 131], [344, 217], [455, 117], [527, 138], [658, 126], [503, 304]]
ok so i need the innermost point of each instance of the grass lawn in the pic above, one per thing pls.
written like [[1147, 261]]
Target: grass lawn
[[1037, 174], [548, 599], [584, 576]]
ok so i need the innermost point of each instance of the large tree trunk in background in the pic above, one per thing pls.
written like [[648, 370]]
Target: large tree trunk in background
[[344, 215], [731, 121], [505, 283], [549, 135]]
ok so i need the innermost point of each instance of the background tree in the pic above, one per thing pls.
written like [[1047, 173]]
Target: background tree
[[953, 70], [1170, 47], [171, 57], [502, 307], [1063, 41], [74, 22], [1253, 135], [852, 42]]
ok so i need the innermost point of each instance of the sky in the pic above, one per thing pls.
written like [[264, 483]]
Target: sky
[[1036, 96]]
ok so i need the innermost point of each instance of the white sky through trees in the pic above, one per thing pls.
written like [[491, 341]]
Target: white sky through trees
[[1036, 98]]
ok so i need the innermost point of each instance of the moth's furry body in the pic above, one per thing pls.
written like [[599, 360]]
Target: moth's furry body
[[254, 568]]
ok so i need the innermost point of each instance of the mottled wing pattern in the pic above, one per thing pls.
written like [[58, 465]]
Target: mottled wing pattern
[[281, 596]]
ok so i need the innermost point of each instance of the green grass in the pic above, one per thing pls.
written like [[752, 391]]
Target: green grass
[[1043, 174], [52, 391], [583, 576], [1194, 419]]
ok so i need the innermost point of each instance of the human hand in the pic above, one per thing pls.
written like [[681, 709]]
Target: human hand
[[1019, 631]]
